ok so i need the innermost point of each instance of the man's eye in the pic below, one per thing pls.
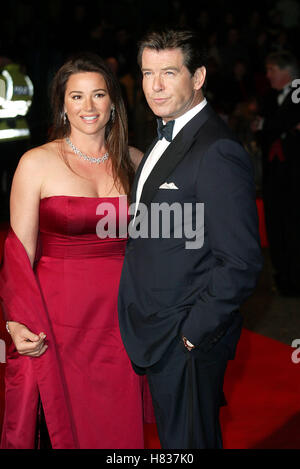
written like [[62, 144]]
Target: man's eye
[[146, 74], [168, 72]]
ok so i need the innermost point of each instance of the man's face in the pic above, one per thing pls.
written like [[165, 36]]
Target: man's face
[[279, 77], [169, 88]]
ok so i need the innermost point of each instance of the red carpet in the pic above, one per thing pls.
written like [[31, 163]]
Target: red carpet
[[262, 387]]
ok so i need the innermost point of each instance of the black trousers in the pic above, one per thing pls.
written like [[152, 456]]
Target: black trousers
[[281, 200], [187, 392]]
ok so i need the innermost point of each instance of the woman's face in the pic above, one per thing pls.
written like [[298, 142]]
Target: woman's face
[[87, 103]]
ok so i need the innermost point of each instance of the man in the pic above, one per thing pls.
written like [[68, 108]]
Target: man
[[178, 301], [281, 169]]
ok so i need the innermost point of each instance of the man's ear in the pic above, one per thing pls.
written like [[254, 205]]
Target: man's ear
[[199, 78]]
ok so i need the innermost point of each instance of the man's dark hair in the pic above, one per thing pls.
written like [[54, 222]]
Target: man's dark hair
[[284, 60], [188, 41]]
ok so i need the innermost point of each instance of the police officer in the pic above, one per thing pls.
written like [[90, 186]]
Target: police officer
[[16, 92]]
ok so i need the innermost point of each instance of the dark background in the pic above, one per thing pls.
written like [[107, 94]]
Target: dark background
[[238, 37]]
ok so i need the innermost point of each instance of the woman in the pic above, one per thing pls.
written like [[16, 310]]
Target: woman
[[62, 304]]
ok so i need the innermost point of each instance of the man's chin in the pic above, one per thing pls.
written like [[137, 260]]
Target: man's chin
[[162, 114], [160, 110]]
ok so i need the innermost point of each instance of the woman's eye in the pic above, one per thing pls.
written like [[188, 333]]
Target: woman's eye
[[76, 96], [99, 95]]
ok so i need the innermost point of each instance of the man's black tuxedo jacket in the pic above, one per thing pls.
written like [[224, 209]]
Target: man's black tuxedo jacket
[[280, 123], [167, 290]]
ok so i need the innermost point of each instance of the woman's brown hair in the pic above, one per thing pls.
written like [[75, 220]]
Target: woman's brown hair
[[116, 132]]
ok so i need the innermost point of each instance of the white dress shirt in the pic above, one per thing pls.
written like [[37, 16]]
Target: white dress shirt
[[161, 146], [284, 92]]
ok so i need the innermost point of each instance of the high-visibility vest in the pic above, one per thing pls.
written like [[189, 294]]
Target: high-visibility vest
[[16, 91]]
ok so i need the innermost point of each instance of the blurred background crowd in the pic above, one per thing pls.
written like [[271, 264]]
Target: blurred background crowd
[[238, 36]]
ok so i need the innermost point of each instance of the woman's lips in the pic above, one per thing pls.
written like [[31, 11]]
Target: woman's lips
[[89, 119]]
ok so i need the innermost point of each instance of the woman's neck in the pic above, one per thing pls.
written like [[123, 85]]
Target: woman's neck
[[92, 145]]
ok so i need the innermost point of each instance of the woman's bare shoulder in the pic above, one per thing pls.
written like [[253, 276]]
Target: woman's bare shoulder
[[136, 156], [39, 157]]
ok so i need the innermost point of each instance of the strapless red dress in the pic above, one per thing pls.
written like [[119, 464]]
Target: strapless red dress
[[78, 274]]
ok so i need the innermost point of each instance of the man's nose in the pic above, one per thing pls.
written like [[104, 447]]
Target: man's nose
[[157, 84]]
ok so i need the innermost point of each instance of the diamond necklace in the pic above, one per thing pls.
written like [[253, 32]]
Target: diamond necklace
[[91, 159]]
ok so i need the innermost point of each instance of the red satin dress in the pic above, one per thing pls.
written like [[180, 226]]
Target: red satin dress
[[78, 275]]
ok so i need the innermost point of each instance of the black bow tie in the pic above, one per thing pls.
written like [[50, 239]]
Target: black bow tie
[[165, 130]]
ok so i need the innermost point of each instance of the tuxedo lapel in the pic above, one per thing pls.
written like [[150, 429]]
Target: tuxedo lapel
[[287, 100], [165, 165], [174, 154]]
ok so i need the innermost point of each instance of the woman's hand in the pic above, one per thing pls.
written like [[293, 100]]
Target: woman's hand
[[26, 342]]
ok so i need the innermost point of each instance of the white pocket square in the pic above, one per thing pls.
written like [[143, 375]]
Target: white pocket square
[[168, 185]]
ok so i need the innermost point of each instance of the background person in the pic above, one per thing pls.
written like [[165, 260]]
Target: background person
[[280, 139], [16, 94]]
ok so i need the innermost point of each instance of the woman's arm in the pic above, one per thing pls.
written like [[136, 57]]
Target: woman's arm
[[136, 157], [24, 220], [25, 201]]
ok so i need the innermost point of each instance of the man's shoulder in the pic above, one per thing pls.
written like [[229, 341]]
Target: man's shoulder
[[215, 139], [213, 129]]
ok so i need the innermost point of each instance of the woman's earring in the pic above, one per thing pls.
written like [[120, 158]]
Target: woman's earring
[[65, 118], [113, 113]]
